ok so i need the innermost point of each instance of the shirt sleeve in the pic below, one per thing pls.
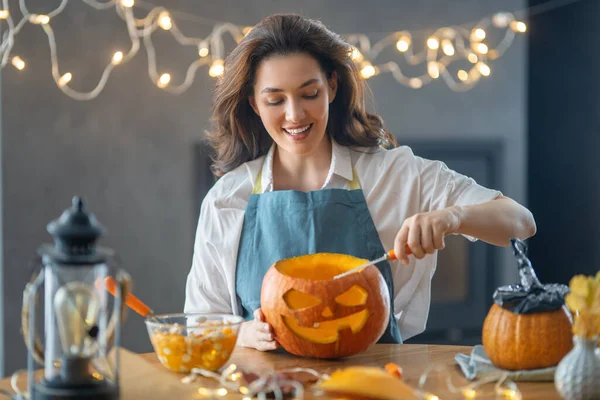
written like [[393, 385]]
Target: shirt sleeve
[[206, 288], [442, 187]]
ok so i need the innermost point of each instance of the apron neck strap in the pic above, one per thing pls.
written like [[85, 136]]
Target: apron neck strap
[[354, 184]]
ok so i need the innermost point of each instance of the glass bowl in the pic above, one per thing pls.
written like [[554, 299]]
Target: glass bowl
[[185, 341]]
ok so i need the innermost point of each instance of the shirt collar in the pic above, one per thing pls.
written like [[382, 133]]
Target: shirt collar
[[341, 165]]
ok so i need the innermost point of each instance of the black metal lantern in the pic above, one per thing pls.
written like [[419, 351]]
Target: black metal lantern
[[79, 332]]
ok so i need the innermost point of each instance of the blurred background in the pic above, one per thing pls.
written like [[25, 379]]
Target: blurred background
[[525, 123]]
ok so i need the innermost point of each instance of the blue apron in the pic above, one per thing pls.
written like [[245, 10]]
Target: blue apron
[[289, 223]]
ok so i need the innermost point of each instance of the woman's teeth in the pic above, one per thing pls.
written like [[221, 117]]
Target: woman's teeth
[[297, 131]]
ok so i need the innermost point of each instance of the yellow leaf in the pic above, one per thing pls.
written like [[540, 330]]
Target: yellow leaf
[[579, 285], [575, 302]]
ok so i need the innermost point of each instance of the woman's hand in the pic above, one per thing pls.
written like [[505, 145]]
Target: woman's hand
[[257, 334], [424, 233]]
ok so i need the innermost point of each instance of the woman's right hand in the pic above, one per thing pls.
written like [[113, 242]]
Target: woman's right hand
[[257, 334]]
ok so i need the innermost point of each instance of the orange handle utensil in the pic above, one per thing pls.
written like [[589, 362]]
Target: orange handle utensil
[[390, 255], [132, 301]]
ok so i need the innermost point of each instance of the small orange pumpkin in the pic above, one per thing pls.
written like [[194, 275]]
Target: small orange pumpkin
[[527, 341], [528, 326], [314, 315]]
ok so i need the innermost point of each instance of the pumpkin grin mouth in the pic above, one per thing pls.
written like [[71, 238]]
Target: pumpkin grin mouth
[[328, 331]]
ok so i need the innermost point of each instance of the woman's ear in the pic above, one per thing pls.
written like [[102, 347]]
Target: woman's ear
[[333, 85], [252, 101]]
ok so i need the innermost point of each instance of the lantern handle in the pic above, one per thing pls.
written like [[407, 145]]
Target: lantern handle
[[118, 314], [32, 341]]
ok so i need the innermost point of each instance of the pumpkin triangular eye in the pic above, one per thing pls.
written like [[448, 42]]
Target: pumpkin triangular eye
[[296, 300], [355, 296]]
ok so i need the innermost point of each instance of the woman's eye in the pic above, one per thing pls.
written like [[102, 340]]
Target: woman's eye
[[274, 102], [313, 95]]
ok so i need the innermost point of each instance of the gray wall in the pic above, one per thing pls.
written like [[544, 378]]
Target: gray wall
[[129, 152]]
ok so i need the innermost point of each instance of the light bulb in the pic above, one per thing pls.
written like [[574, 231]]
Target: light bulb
[[127, 3], [66, 78], [39, 19], [500, 20], [472, 58], [76, 305], [463, 75], [483, 68], [447, 47], [356, 55], [481, 48], [216, 69], [415, 83], [117, 58], [221, 392], [367, 71], [478, 34], [433, 43], [163, 81], [203, 49], [433, 69], [4, 14], [469, 393], [403, 44], [518, 26], [165, 21], [18, 63]]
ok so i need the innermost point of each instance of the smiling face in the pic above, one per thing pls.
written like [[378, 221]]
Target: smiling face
[[292, 96], [315, 315]]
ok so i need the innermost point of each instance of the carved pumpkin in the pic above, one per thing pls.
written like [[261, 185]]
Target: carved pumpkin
[[529, 326], [314, 315], [527, 341]]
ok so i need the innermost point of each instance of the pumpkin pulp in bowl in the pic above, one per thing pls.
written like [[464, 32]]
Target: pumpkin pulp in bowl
[[313, 314], [185, 341]]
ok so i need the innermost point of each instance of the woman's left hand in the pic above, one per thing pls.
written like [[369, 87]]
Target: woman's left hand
[[424, 233]]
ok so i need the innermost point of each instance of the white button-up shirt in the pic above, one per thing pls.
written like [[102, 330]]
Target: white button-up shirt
[[396, 185]]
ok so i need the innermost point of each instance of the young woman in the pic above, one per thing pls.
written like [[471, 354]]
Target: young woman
[[303, 168]]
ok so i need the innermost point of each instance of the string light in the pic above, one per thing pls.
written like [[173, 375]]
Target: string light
[[216, 69], [455, 43], [463, 75], [66, 78], [117, 58], [18, 63]]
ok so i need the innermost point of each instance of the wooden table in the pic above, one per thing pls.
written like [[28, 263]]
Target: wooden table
[[414, 359]]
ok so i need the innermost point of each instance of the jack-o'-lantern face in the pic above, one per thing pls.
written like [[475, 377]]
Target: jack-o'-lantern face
[[313, 314]]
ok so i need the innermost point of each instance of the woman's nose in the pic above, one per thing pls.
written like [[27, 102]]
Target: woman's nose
[[294, 112]]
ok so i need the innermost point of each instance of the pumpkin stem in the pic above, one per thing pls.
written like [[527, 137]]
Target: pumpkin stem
[[529, 279]]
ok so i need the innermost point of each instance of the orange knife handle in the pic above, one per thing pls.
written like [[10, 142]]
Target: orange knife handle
[[392, 253], [132, 301]]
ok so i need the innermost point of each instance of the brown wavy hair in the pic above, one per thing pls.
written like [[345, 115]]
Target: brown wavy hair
[[238, 135]]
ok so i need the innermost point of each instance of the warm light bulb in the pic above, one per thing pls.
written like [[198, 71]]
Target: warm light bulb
[[4, 14], [216, 69], [469, 393], [433, 43], [500, 20], [356, 55], [432, 397], [66, 78], [415, 83], [518, 26], [39, 19], [463, 75], [433, 69], [483, 68], [482, 48], [163, 81], [478, 34], [511, 394], [127, 3], [117, 58], [472, 58], [367, 71], [18, 63], [244, 390], [76, 305], [203, 49], [403, 44], [165, 21], [447, 47], [221, 392]]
